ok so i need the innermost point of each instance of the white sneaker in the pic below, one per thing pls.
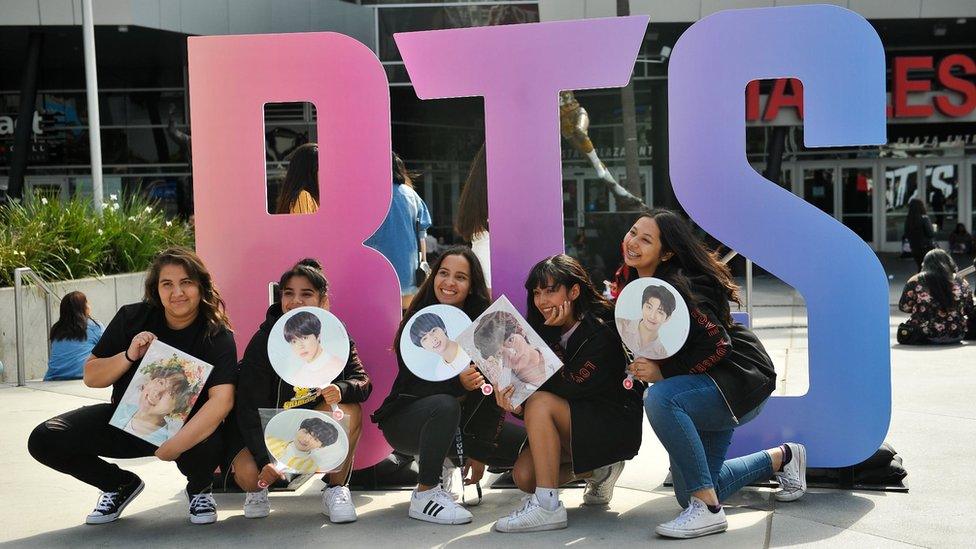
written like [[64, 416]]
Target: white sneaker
[[599, 487], [436, 505], [695, 521], [793, 478], [203, 508], [337, 504], [256, 504], [532, 517]]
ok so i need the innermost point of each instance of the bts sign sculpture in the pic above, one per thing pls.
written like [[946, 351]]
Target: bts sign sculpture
[[519, 70]]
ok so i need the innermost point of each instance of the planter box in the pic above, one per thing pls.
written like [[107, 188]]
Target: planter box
[[105, 295]]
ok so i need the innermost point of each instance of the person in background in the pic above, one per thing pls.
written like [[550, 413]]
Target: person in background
[[300, 191], [960, 241], [919, 230], [402, 236], [938, 301], [471, 223], [72, 338]]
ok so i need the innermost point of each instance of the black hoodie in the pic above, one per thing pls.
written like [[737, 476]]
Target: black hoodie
[[259, 386], [732, 356]]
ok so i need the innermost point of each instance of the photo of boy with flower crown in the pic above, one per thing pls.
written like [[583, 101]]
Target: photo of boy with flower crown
[[160, 398]]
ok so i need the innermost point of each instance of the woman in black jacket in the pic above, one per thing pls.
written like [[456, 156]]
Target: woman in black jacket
[[260, 386], [919, 231], [438, 420], [582, 423], [719, 380]]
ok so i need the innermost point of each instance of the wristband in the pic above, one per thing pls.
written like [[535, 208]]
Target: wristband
[[126, 353]]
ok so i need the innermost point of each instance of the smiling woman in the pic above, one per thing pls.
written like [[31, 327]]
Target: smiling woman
[[182, 308]]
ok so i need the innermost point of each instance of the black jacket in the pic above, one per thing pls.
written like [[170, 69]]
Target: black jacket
[[606, 418], [481, 418], [259, 386], [732, 356]]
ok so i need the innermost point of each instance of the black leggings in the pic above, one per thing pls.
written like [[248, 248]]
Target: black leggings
[[426, 428], [73, 442]]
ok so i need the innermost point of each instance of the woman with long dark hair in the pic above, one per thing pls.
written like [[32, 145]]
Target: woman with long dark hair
[[939, 302], [300, 190], [471, 223], [72, 338], [402, 236], [581, 423], [437, 420], [919, 230], [718, 381], [182, 308]]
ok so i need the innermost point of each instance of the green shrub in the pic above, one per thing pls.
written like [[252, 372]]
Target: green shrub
[[67, 240]]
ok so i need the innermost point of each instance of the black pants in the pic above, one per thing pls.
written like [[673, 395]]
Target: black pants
[[426, 428], [75, 442]]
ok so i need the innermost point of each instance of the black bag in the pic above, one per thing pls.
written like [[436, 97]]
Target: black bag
[[910, 334]]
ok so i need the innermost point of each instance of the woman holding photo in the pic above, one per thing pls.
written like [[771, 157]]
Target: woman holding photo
[[718, 381], [422, 418], [182, 308], [303, 285], [581, 423]]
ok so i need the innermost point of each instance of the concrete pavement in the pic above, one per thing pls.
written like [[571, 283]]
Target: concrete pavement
[[933, 426]]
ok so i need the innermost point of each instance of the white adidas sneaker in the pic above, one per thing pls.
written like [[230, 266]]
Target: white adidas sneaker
[[531, 516], [695, 521], [437, 506]]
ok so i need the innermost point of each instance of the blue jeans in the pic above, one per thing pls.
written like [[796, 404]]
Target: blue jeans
[[689, 415]]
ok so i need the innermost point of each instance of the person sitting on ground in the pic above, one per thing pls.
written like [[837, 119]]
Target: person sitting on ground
[[72, 338], [960, 241], [938, 301]]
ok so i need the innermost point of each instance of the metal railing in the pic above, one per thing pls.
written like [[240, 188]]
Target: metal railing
[[729, 257], [20, 275]]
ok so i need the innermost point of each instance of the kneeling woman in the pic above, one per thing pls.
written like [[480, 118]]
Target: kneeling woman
[[424, 418], [303, 285], [181, 308], [581, 423], [718, 381]]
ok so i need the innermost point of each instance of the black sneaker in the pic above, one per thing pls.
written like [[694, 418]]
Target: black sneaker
[[203, 508], [111, 504]]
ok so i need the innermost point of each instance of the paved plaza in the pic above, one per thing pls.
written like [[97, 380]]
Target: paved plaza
[[933, 426]]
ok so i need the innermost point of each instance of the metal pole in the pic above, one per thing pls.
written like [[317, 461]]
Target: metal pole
[[91, 87], [25, 118], [752, 321], [19, 320], [627, 105]]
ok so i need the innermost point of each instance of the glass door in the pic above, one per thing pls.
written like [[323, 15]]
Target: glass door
[[857, 185], [901, 184], [942, 196], [818, 188]]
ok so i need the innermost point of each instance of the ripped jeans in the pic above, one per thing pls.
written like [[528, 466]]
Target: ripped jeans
[[75, 442]]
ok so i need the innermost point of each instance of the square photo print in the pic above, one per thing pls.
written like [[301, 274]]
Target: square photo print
[[161, 394], [508, 351]]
